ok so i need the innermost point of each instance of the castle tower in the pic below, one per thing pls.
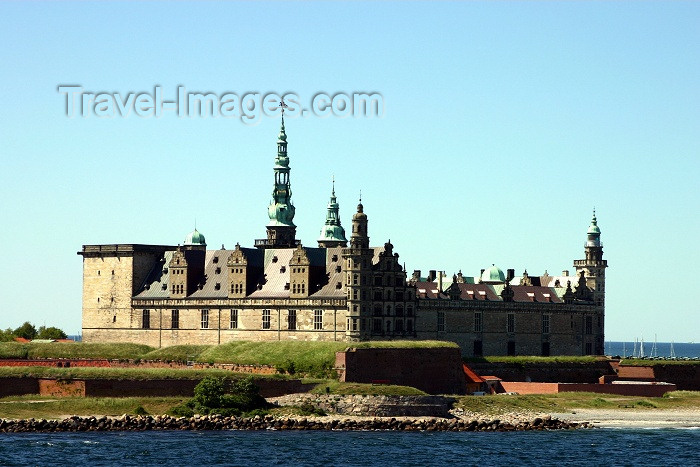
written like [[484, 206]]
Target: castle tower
[[332, 233], [358, 267], [281, 229], [592, 271], [594, 265]]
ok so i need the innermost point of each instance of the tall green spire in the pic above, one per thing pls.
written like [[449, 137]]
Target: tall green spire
[[332, 233], [281, 209]]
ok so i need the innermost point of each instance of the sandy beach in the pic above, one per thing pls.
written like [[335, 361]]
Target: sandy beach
[[656, 418]]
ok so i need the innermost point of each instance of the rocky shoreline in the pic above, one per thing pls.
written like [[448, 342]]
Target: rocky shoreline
[[269, 422]]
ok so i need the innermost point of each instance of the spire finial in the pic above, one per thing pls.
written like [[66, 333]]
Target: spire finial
[[360, 196], [333, 181]]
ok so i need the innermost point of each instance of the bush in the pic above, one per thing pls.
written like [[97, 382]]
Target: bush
[[309, 409], [140, 410], [211, 396]]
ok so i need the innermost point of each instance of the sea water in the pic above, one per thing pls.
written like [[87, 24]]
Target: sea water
[[663, 349], [633, 447]]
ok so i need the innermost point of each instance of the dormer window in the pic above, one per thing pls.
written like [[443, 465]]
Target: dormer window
[[274, 259], [283, 269], [218, 270], [216, 259], [334, 258]]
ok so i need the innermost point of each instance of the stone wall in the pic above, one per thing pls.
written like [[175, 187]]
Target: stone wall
[[433, 370], [372, 406]]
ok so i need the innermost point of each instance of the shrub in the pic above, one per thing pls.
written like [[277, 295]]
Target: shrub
[[308, 408], [140, 410], [212, 397]]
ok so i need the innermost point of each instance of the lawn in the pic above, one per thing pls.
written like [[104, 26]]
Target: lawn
[[335, 387], [563, 402], [34, 406], [116, 373]]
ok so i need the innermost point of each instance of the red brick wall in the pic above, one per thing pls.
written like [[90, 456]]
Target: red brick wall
[[642, 390], [530, 388], [18, 386], [433, 370], [61, 388]]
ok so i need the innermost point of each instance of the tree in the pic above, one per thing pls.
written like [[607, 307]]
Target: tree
[[6, 335], [27, 330], [50, 333]]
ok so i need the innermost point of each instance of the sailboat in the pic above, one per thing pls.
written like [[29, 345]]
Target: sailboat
[[673, 352]]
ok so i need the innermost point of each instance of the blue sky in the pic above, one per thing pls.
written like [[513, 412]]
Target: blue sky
[[504, 124]]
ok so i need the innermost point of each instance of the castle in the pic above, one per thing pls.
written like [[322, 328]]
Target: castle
[[164, 295]]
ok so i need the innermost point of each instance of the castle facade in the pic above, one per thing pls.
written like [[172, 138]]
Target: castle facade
[[340, 290]]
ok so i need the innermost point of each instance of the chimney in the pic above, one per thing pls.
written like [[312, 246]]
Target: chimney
[[432, 275], [440, 275], [565, 273], [510, 274]]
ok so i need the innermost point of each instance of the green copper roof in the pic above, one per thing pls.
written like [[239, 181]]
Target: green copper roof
[[195, 238], [593, 228], [593, 233], [332, 230], [493, 274], [281, 210]]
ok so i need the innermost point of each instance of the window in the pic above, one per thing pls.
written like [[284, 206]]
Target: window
[[409, 325], [318, 320], [146, 321], [511, 348], [477, 322], [175, 319], [545, 324], [377, 325], [589, 325], [441, 321], [589, 348], [233, 324], [205, 319], [511, 322], [378, 295], [292, 320], [266, 319], [478, 349], [399, 325]]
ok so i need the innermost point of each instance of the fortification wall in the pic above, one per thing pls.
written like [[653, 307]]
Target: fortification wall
[[131, 388], [433, 370], [570, 372]]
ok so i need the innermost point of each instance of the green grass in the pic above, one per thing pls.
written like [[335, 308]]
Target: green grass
[[530, 360], [176, 353], [13, 350], [339, 388], [72, 350], [313, 358], [34, 406], [641, 362], [567, 401], [116, 373]]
